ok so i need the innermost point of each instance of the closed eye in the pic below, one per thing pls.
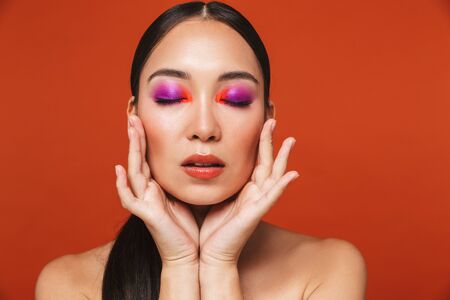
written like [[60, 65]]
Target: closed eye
[[164, 101], [236, 103]]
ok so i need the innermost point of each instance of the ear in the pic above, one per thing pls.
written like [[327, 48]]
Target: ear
[[132, 107], [270, 111]]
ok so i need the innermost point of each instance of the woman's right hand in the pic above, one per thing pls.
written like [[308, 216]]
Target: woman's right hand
[[171, 223]]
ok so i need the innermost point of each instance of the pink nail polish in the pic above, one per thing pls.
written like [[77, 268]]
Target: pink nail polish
[[274, 122], [130, 121]]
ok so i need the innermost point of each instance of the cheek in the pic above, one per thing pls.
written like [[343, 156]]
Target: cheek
[[250, 139], [158, 139], [245, 144]]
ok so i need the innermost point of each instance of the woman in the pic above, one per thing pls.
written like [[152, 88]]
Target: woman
[[201, 176]]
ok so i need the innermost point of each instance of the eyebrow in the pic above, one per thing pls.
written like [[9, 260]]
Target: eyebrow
[[185, 75]]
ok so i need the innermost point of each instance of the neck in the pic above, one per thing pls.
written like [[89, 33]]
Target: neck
[[199, 212]]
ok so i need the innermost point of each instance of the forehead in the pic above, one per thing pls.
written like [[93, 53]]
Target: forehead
[[203, 48]]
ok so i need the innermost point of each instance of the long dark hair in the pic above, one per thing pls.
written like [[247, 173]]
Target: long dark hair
[[133, 269]]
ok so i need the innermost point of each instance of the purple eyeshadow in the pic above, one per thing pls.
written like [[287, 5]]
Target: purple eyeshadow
[[237, 95], [168, 91]]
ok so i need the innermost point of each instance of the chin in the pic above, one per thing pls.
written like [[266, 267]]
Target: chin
[[201, 195], [208, 192]]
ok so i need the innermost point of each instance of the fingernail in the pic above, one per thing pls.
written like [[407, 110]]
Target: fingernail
[[116, 167], [293, 142], [130, 121]]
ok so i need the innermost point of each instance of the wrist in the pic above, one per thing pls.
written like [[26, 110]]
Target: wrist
[[217, 265], [213, 262], [179, 281], [218, 270], [181, 265], [180, 273], [219, 281]]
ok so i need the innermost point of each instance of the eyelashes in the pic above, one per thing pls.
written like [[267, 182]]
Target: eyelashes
[[166, 101], [170, 93], [237, 104]]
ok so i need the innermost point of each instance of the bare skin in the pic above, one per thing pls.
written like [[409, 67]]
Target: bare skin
[[275, 264]]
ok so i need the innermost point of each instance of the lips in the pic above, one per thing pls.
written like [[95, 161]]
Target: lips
[[208, 160], [203, 166]]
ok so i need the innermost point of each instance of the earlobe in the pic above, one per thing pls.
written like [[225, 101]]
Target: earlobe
[[131, 109], [270, 112]]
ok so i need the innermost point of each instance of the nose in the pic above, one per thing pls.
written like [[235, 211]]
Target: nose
[[203, 123]]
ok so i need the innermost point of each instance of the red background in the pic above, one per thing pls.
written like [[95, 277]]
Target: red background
[[364, 87]]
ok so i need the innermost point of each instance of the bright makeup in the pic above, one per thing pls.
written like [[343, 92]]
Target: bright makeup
[[170, 92], [236, 95], [203, 172]]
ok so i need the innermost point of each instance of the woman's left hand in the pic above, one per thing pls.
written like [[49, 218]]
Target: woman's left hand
[[229, 224]]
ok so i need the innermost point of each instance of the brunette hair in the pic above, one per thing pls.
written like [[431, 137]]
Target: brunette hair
[[133, 268]]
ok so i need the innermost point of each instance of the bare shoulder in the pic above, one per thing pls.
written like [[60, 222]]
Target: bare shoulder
[[336, 269], [329, 252], [73, 276], [324, 267], [341, 271]]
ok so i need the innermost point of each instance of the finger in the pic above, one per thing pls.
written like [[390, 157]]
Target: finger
[[257, 162], [184, 218], [137, 179], [125, 194], [137, 124], [264, 168], [279, 166], [274, 193]]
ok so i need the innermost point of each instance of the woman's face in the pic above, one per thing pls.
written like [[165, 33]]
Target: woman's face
[[201, 123]]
